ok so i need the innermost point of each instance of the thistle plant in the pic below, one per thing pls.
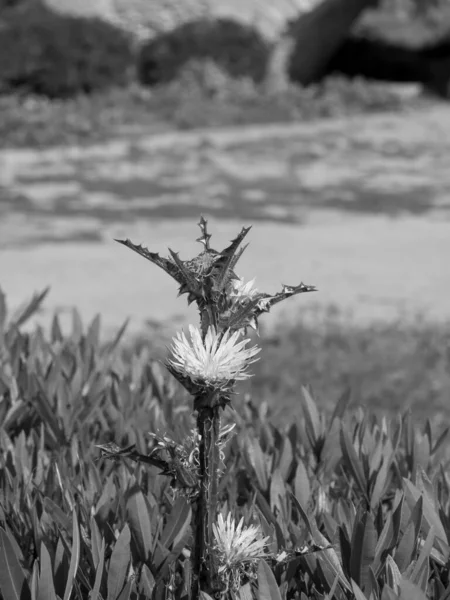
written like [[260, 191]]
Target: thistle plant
[[208, 362]]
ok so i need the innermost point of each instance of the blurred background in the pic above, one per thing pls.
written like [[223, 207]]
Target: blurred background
[[325, 124]]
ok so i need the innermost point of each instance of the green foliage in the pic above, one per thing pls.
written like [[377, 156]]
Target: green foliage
[[236, 48], [355, 506], [202, 96], [59, 56], [389, 366]]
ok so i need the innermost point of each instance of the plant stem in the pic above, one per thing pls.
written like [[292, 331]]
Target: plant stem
[[205, 576]]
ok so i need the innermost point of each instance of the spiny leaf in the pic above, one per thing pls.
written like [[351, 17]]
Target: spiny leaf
[[113, 452], [190, 283], [163, 263], [205, 237], [267, 301], [237, 257], [13, 584], [241, 316], [226, 259]]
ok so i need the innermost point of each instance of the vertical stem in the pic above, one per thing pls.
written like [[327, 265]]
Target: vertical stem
[[205, 576]]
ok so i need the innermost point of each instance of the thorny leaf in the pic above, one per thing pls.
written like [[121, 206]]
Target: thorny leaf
[[174, 467], [113, 452], [266, 301], [247, 314], [164, 263], [205, 237], [191, 284], [228, 260]]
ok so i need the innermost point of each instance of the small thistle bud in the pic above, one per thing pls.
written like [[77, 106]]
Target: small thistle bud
[[238, 550]]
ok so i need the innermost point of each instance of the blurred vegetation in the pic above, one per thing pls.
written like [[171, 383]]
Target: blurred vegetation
[[58, 56], [387, 367], [238, 50], [201, 96], [71, 80]]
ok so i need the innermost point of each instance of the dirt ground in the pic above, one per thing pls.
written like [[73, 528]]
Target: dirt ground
[[359, 207]]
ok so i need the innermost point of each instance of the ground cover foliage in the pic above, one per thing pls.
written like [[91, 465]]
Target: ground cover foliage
[[202, 96], [354, 505]]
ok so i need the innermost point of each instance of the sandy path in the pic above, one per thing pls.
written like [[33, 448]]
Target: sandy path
[[358, 207]]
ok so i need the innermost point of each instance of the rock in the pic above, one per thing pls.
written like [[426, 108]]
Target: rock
[[375, 59], [384, 61], [318, 34]]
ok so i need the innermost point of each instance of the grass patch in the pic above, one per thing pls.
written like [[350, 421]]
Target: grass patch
[[387, 367], [31, 121]]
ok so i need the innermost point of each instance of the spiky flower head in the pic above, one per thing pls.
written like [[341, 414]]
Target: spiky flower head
[[238, 550], [213, 364]]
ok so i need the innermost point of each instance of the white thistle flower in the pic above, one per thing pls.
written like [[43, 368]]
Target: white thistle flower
[[216, 362], [238, 548]]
